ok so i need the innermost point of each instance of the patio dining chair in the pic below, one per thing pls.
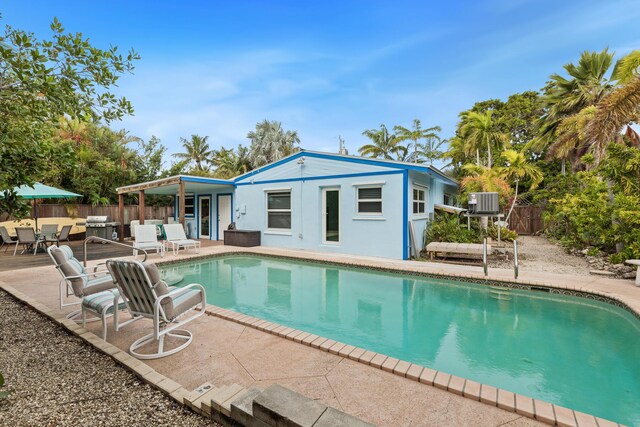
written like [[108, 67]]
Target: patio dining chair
[[7, 240], [63, 236], [177, 238], [147, 239], [49, 232], [27, 237], [147, 296]]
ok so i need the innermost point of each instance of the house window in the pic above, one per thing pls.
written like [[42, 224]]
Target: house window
[[448, 200], [189, 205], [279, 210], [419, 200], [369, 200]]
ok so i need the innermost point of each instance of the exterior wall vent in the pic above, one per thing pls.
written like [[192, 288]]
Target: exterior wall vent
[[483, 203]]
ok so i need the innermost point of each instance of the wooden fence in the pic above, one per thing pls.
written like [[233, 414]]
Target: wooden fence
[[526, 219], [82, 211]]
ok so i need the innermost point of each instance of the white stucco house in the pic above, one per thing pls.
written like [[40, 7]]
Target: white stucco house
[[316, 201]]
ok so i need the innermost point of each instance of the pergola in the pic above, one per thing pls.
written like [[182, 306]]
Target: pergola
[[176, 186]]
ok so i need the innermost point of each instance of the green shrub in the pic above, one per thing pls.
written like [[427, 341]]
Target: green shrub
[[445, 228], [599, 216], [593, 251], [505, 234]]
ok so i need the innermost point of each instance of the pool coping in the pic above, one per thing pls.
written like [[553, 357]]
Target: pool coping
[[523, 405]]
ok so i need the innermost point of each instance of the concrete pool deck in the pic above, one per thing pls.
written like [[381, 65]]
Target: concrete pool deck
[[226, 352]]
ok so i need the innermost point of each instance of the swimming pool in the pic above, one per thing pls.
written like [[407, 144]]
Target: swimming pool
[[574, 352]]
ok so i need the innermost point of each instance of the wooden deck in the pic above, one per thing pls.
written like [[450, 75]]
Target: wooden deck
[[94, 251]]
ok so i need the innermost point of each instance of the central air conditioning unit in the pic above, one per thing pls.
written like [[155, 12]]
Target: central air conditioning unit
[[483, 203]]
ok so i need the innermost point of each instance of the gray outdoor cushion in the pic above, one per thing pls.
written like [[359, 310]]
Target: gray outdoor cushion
[[61, 254], [172, 306], [72, 267], [182, 303], [159, 285], [98, 284]]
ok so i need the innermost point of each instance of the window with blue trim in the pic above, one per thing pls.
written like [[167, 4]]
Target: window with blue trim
[[189, 205], [279, 210], [419, 200], [369, 200]]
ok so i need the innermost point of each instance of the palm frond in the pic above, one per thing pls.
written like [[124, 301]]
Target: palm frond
[[627, 67], [614, 112]]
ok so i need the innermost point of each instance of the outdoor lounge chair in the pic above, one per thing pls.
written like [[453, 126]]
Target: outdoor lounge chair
[[146, 296], [176, 238], [27, 237], [6, 239], [147, 239]]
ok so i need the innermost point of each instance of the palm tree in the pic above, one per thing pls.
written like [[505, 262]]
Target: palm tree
[[586, 85], [570, 143], [479, 132], [231, 163], [269, 143], [518, 167], [456, 152], [619, 108], [196, 150], [429, 150], [383, 144]]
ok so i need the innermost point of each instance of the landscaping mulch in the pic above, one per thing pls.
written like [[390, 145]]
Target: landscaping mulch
[[56, 379]]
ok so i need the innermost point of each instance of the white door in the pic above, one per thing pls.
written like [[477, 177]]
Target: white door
[[331, 216], [224, 214], [205, 217]]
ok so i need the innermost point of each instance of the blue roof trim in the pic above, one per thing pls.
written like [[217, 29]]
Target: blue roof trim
[[205, 180], [405, 214], [269, 166], [373, 162], [315, 178]]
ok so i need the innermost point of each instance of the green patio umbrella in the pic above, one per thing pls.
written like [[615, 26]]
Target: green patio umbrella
[[41, 191]]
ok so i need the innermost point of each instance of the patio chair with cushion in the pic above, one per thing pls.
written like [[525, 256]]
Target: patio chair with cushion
[[176, 238], [27, 237], [6, 239], [75, 279], [147, 296], [147, 239]]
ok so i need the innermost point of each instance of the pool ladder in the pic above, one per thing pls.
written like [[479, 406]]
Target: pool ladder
[[110, 242], [485, 267], [515, 259]]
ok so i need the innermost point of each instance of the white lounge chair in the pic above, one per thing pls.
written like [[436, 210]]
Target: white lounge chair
[[146, 296], [176, 238], [147, 239]]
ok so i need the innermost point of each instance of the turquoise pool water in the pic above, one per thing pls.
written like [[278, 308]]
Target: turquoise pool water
[[571, 351]]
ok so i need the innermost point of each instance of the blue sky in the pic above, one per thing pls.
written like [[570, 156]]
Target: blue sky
[[330, 68]]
